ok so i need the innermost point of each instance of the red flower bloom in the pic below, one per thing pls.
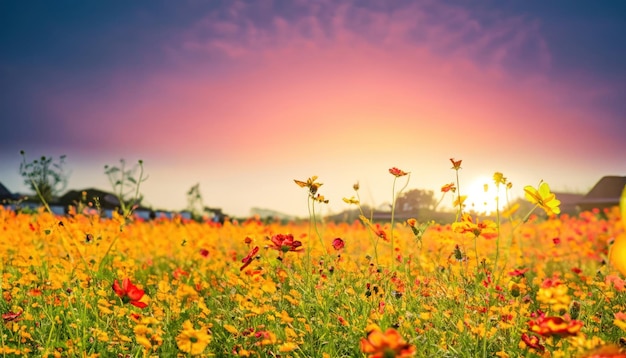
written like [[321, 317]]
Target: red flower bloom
[[285, 243], [338, 244], [129, 293], [204, 252], [518, 272], [533, 342], [456, 164], [397, 172], [555, 326], [11, 316], [448, 187], [248, 259], [179, 272]]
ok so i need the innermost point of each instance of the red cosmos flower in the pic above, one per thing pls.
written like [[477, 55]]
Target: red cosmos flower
[[338, 244], [285, 243], [518, 272], [555, 326], [11, 316], [397, 172], [456, 164], [204, 252], [248, 259], [533, 342], [448, 187], [387, 344], [129, 293], [179, 272]]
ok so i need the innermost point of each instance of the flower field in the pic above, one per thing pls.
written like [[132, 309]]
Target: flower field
[[81, 285]]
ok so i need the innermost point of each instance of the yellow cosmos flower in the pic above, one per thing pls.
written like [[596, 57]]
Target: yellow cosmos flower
[[498, 178], [543, 198], [191, 340], [287, 347], [617, 255], [351, 200], [459, 200]]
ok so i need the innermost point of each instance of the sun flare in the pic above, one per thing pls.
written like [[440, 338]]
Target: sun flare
[[482, 196]]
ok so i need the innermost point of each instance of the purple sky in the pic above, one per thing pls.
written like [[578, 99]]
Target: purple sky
[[243, 97]]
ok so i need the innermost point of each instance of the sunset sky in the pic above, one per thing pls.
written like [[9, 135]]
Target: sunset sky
[[245, 96]]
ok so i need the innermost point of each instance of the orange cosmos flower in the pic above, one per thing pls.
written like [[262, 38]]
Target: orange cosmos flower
[[610, 351], [397, 172], [129, 293], [387, 344], [456, 164], [486, 228], [555, 326]]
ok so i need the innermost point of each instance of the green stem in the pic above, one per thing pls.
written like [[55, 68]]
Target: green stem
[[40, 195], [458, 190], [495, 263], [319, 236], [374, 242], [393, 210]]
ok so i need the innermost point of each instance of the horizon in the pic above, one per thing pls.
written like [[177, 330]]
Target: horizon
[[244, 97], [474, 206]]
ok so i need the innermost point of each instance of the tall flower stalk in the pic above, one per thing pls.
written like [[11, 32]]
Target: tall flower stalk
[[364, 220], [456, 165], [396, 174], [312, 197]]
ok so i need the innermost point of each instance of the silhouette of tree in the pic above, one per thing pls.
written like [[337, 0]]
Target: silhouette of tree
[[45, 176], [415, 200]]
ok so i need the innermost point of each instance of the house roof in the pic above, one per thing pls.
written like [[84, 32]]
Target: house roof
[[107, 200], [606, 192]]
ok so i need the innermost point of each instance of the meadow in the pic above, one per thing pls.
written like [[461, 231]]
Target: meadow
[[533, 284]]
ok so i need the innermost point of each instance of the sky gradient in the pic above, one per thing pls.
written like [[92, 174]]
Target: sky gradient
[[243, 97]]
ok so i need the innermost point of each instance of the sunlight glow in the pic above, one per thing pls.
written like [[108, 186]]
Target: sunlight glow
[[481, 196]]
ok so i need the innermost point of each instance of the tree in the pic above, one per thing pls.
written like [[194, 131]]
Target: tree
[[44, 176], [415, 200], [195, 204]]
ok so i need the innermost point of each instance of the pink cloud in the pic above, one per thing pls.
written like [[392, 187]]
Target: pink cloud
[[348, 89]]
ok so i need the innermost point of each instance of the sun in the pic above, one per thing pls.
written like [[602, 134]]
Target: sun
[[481, 196]]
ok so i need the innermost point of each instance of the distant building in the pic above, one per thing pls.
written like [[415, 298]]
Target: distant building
[[105, 199], [605, 194], [569, 202]]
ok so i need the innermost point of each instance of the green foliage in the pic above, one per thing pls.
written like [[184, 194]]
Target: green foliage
[[45, 176], [125, 183]]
